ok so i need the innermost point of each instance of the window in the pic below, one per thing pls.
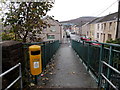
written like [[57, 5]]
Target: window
[[110, 25], [98, 26], [109, 36], [52, 29], [50, 36], [97, 35], [104, 26], [103, 37], [87, 33]]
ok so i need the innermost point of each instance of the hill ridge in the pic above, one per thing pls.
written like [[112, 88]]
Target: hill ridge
[[80, 21]]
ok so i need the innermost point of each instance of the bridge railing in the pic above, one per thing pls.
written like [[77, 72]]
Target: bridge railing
[[48, 48], [17, 79], [97, 58]]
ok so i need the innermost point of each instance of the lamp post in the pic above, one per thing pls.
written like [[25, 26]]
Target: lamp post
[[118, 22]]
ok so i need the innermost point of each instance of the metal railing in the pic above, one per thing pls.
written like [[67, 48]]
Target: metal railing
[[17, 79], [103, 62], [48, 48], [99, 59]]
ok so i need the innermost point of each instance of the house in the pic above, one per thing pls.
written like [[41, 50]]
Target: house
[[93, 28], [106, 28], [75, 29], [54, 32], [85, 29], [102, 28]]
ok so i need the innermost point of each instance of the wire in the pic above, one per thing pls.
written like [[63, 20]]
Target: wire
[[107, 8]]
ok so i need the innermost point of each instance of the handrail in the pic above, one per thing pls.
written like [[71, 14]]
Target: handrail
[[18, 78], [109, 81], [9, 70], [39, 42], [111, 44], [112, 50], [111, 67]]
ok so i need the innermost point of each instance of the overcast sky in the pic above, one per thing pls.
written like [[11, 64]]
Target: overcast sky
[[71, 9]]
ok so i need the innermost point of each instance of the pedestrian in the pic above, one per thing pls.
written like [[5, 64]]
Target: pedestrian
[[68, 36]]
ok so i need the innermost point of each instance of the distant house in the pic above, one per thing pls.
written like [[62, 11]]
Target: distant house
[[54, 32], [102, 28], [85, 29], [78, 22], [75, 29]]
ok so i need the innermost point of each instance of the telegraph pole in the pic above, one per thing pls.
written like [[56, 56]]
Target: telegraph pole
[[118, 22]]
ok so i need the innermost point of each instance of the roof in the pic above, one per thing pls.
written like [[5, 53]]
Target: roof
[[109, 17], [96, 20], [50, 18]]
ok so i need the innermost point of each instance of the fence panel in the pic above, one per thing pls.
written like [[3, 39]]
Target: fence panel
[[92, 56], [48, 48]]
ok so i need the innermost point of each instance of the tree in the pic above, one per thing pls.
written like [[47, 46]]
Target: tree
[[26, 18]]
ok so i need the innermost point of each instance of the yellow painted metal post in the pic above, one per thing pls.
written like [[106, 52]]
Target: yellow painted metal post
[[35, 59]]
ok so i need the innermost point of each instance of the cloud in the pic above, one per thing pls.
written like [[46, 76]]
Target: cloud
[[69, 9]]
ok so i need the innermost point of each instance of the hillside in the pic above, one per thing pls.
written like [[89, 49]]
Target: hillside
[[79, 21]]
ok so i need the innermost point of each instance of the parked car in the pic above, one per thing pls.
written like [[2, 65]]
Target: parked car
[[83, 37], [95, 43], [87, 39], [72, 32]]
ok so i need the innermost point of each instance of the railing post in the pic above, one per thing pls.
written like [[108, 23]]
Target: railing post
[[20, 74], [44, 57], [100, 66], [110, 63], [88, 59]]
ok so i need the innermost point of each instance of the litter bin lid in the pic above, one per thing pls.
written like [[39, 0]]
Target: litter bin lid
[[34, 48]]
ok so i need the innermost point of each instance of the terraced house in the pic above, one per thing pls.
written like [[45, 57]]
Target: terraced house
[[106, 28], [102, 28]]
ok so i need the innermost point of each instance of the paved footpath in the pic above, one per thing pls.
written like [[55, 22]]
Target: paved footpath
[[68, 71]]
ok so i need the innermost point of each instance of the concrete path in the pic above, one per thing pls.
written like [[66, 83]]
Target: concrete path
[[67, 71]]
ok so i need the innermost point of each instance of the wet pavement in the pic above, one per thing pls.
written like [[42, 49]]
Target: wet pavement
[[66, 71]]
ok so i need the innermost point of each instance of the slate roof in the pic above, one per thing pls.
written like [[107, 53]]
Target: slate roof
[[96, 20], [109, 17]]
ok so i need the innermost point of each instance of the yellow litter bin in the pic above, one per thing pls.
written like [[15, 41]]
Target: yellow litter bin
[[35, 59]]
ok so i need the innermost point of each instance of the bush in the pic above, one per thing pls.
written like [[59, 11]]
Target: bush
[[117, 41]]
